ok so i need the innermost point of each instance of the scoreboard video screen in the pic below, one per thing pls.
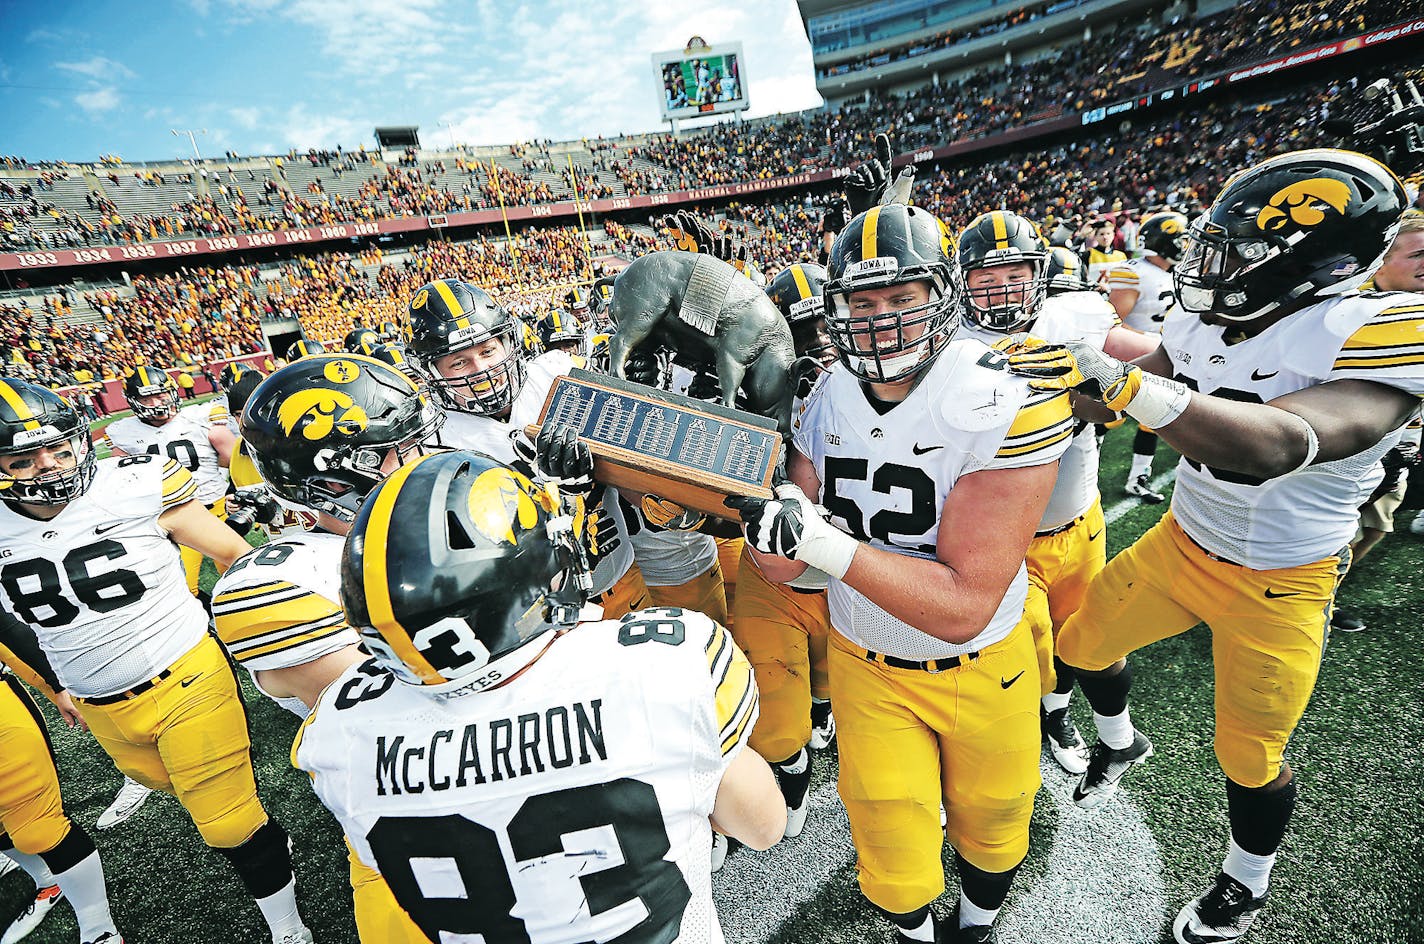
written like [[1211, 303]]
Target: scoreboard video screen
[[701, 81]]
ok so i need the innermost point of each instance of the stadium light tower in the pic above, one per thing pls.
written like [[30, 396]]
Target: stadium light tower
[[192, 139]]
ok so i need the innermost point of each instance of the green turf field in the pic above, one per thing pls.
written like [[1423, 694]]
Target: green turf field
[[1349, 871]]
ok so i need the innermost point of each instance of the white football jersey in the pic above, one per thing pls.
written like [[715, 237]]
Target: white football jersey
[[1307, 515], [100, 583], [1071, 316], [492, 437], [885, 477], [280, 604], [568, 805], [184, 439], [1156, 297]]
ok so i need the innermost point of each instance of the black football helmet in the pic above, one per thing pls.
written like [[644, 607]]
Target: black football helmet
[[798, 291], [388, 332], [448, 315], [578, 301], [234, 371], [1164, 234], [886, 246], [1066, 272], [453, 566], [319, 430], [32, 417], [1299, 226], [147, 382], [304, 348], [1003, 238], [357, 337], [557, 326], [241, 392]]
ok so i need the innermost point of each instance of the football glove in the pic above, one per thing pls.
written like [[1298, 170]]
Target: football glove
[[790, 526], [869, 185], [670, 516], [1080, 367], [560, 456]]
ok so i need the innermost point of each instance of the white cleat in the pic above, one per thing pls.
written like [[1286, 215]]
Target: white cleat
[[131, 796], [34, 913]]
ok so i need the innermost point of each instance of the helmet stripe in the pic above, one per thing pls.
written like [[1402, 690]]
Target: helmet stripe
[[1001, 230], [442, 288], [376, 584], [143, 376], [867, 233], [803, 287], [17, 403]]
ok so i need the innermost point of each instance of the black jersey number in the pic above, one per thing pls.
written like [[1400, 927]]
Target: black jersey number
[[888, 478], [38, 596], [546, 826], [1226, 393], [180, 451]]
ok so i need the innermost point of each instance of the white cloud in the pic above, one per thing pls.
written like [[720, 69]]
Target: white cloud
[[248, 118], [98, 67], [301, 129], [99, 100]]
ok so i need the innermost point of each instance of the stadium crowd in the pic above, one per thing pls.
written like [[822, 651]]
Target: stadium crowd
[[1122, 60]]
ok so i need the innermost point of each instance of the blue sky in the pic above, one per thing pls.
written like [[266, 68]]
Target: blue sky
[[105, 77]]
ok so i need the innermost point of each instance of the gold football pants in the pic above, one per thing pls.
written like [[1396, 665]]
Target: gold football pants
[[379, 917], [627, 595], [31, 811], [704, 594], [1060, 567], [729, 558], [193, 560], [910, 739], [188, 736], [1268, 633], [783, 634]]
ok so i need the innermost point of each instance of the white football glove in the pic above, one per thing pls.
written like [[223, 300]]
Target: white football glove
[[790, 526]]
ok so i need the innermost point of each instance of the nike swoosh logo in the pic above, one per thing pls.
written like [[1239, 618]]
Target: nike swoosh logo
[[1276, 596], [1094, 537], [1012, 680], [919, 452], [101, 529], [1257, 375], [189, 681]]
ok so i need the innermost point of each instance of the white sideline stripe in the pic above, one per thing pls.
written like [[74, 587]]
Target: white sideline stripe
[[1102, 881], [1118, 509]]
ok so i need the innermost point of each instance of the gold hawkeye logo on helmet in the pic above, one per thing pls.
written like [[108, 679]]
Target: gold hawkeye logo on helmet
[[501, 498], [1303, 203], [323, 411]]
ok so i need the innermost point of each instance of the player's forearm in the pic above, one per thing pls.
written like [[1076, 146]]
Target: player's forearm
[[1252, 438], [926, 593], [776, 569]]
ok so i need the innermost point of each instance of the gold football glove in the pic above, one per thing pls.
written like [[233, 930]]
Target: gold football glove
[[1080, 367]]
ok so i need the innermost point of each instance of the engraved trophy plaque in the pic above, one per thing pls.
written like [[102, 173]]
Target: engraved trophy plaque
[[651, 441]]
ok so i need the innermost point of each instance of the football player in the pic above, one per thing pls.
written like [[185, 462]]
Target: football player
[[1065, 272], [357, 338], [469, 348], [321, 433], [35, 832], [94, 572], [1141, 292], [560, 781], [1005, 264], [196, 437], [935, 465], [1281, 394], [304, 348], [232, 375], [561, 331]]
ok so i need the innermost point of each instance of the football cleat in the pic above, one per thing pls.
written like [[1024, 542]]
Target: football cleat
[[299, 936], [131, 796], [1142, 488], [29, 919], [108, 937], [1064, 741], [7, 865], [722, 847], [823, 725], [1223, 913], [796, 790], [1106, 767], [1346, 622]]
